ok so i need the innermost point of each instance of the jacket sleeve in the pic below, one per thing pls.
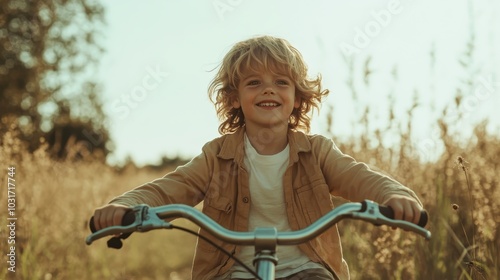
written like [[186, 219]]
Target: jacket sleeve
[[186, 185], [354, 180]]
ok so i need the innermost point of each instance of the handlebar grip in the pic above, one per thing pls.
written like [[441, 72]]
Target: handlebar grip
[[128, 219], [389, 213]]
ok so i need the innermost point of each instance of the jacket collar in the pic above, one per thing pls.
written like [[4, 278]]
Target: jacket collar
[[233, 146]]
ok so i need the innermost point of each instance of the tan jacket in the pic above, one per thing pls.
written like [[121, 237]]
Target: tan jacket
[[317, 169]]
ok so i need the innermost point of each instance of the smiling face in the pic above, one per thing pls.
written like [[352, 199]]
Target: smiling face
[[266, 99], [261, 56]]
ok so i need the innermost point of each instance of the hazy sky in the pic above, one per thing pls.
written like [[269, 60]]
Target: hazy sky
[[160, 57]]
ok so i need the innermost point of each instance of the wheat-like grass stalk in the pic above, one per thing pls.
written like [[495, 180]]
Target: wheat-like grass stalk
[[463, 165], [475, 267]]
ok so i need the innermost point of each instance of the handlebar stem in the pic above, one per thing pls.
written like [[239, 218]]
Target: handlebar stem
[[266, 239], [265, 259], [265, 262]]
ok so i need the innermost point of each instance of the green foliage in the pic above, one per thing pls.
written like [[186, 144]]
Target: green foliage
[[50, 50]]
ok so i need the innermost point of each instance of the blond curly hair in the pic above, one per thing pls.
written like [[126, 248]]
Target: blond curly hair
[[273, 54]]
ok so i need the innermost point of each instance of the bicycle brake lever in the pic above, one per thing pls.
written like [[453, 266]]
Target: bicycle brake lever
[[151, 221], [370, 212], [140, 212], [143, 221], [148, 221]]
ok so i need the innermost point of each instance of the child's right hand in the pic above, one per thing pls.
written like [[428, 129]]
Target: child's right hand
[[109, 215]]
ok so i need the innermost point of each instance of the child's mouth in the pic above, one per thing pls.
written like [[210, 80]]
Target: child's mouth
[[268, 104]]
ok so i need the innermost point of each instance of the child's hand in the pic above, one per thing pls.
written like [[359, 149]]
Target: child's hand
[[405, 208], [109, 215]]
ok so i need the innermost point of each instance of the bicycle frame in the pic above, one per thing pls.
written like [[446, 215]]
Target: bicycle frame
[[264, 239]]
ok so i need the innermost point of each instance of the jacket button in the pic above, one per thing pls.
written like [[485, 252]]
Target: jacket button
[[245, 199]]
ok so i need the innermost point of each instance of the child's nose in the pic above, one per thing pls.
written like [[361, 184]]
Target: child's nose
[[269, 89]]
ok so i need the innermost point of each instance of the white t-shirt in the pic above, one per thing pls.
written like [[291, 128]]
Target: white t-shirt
[[268, 209]]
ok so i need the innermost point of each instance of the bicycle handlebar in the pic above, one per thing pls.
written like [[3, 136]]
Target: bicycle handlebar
[[143, 218]]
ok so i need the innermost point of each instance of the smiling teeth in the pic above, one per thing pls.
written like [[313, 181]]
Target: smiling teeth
[[268, 104]]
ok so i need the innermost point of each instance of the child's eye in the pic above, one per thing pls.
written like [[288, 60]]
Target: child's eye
[[253, 83], [282, 82]]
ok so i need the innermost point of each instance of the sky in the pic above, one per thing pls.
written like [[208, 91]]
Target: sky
[[161, 56]]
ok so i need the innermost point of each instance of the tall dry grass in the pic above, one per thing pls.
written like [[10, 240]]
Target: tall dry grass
[[454, 171], [459, 189], [54, 202]]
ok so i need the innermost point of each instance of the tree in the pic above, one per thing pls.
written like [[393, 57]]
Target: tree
[[49, 54]]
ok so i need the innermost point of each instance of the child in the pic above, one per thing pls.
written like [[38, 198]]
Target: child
[[265, 171]]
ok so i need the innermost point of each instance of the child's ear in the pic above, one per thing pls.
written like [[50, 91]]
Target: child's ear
[[236, 104], [297, 102], [236, 101]]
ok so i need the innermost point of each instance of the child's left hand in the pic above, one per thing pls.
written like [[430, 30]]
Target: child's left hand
[[405, 208]]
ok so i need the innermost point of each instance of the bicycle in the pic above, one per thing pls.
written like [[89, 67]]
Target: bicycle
[[143, 218]]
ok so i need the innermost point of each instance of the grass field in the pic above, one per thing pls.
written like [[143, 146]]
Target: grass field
[[54, 199]]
